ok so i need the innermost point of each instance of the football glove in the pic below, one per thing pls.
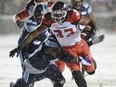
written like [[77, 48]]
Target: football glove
[[13, 52], [97, 39]]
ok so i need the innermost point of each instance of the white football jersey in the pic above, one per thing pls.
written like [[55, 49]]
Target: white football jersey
[[67, 34]]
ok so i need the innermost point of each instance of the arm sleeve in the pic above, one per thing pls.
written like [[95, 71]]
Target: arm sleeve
[[23, 14], [76, 16]]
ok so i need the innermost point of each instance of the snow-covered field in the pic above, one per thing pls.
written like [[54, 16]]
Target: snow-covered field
[[104, 53]]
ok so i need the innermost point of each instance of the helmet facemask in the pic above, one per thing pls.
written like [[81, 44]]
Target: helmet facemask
[[59, 16], [59, 12]]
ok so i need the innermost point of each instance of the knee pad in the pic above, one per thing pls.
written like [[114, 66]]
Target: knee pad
[[80, 81]]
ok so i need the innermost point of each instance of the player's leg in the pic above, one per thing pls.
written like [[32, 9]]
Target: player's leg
[[19, 83], [61, 65], [80, 81], [87, 60], [83, 71], [77, 75], [75, 67], [55, 76]]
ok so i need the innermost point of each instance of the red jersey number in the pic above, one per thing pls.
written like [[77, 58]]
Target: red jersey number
[[68, 32]]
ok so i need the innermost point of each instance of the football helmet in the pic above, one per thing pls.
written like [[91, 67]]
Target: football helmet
[[39, 11], [59, 12], [77, 4]]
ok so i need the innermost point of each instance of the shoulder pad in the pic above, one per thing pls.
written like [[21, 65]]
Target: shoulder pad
[[31, 25]]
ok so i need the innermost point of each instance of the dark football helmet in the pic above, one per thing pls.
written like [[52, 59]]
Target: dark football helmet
[[39, 11], [59, 12]]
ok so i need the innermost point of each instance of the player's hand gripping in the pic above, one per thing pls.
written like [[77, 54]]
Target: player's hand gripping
[[97, 39], [14, 51]]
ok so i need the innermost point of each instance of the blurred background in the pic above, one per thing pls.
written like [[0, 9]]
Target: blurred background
[[104, 53], [104, 11]]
